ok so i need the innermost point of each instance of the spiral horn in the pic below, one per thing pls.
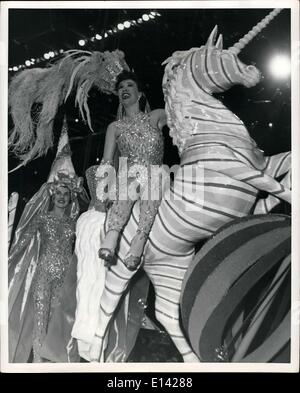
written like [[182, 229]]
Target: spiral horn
[[238, 46]]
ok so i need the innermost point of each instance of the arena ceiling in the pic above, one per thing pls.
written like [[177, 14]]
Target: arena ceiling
[[33, 32]]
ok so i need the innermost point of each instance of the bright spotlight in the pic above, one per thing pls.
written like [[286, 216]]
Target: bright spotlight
[[140, 20], [15, 68], [153, 13], [280, 66], [151, 16], [51, 54], [145, 17], [120, 26], [46, 56], [81, 42], [28, 63], [98, 37], [270, 125], [126, 24]]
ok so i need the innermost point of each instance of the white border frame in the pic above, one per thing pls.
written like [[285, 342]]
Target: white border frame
[[293, 366]]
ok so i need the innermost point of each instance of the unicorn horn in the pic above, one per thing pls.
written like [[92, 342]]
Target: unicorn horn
[[211, 39], [237, 47]]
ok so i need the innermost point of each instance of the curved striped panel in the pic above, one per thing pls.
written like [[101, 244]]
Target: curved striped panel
[[224, 271]]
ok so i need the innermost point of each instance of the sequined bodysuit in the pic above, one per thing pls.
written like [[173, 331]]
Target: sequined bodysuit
[[57, 235], [139, 141], [143, 146]]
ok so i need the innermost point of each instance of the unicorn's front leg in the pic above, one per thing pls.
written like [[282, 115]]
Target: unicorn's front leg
[[96, 352], [117, 279]]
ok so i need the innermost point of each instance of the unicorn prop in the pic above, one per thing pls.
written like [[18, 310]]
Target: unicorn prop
[[232, 171]]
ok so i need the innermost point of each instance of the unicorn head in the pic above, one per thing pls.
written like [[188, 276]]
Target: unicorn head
[[216, 69], [220, 69]]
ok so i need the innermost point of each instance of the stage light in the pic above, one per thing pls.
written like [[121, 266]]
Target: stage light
[[280, 66], [10, 69], [120, 26], [76, 120], [270, 125]]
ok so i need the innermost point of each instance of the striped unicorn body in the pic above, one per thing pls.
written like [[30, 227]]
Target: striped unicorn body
[[230, 170]]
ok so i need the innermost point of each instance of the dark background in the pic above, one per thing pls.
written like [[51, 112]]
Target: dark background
[[32, 32]]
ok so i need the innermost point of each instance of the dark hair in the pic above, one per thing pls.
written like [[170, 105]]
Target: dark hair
[[124, 75]]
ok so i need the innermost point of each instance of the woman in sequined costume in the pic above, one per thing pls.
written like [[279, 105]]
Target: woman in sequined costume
[[40, 257], [138, 136], [57, 233]]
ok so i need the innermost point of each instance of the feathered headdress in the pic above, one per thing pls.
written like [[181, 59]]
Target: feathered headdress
[[78, 71]]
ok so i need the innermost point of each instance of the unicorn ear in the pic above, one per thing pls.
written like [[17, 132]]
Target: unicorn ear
[[212, 37], [219, 43]]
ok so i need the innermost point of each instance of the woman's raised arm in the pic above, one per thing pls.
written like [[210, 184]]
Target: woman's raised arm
[[110, 144]]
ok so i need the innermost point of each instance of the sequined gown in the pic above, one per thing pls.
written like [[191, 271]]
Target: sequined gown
[[142, 145], [57, 235]]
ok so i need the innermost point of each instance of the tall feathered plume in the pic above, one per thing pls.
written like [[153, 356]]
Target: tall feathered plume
[[78, 71]]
